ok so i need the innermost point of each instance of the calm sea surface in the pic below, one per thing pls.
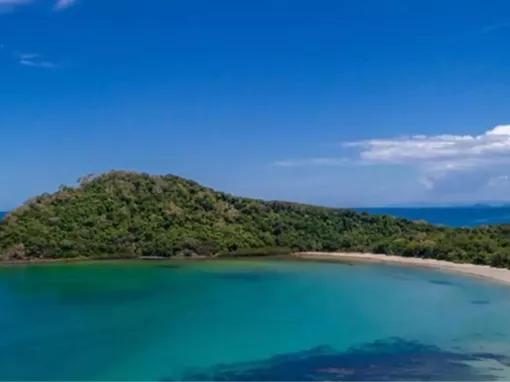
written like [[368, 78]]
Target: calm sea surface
[[449, 216], [250, 319]]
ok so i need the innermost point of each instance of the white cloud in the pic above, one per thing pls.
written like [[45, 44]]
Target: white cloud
[[450, 150], [445, 163], [436, 152], [450, 163], [64, 4], [36, 61]]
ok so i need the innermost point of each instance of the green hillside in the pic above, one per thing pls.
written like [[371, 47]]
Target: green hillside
[[122, 214]]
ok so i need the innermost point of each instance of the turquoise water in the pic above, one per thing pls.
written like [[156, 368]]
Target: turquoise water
[[249, 319], [449, 216]]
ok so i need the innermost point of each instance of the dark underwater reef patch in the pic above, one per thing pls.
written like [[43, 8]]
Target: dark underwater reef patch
[[246, 275], [169, 266], [480, 302], [440, 282], [391, 359]]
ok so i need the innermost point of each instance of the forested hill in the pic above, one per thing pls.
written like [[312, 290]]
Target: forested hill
[[122, 214]]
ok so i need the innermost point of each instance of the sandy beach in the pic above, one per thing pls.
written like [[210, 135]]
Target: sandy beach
[[483, 271]]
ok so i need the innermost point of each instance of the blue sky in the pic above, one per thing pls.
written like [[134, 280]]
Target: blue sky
[[342, 103]]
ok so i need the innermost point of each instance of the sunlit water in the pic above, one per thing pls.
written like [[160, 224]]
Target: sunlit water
[[251, 319]]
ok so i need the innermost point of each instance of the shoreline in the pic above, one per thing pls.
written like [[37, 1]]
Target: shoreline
[[501, 275]]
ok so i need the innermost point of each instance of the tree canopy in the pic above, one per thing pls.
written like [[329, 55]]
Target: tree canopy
[[124, 214]]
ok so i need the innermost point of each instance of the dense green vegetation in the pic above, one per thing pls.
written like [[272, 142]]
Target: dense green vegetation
[[123, 214]]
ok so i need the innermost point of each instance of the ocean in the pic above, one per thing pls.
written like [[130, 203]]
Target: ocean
[[449, 216], [250, 320]]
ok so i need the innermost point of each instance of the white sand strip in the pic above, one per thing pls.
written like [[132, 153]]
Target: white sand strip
[[484, 271]]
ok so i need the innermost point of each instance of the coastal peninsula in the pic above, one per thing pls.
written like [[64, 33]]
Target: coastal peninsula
[[131, 215]]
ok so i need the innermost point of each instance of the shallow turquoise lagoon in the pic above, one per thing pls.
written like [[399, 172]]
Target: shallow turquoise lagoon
[[250, 320]]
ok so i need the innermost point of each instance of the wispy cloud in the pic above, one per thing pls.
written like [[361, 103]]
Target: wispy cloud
[[36, 61], [7, 6], [320, 161], [444, 162], [64, 4], [14, 2], [495, 27]]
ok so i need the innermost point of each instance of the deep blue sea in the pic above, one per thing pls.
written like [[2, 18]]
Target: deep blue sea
[[449, 216]]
